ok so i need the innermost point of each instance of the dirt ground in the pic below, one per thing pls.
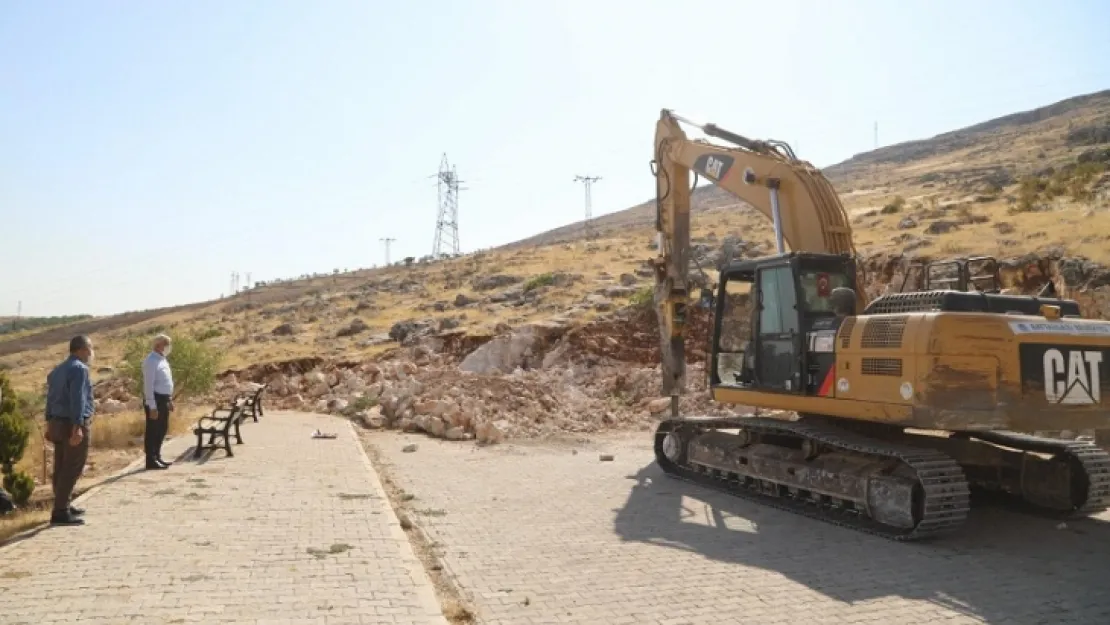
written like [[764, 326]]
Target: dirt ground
[[550, 532]]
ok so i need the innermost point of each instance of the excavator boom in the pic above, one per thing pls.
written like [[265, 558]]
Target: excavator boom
[[764, 174]]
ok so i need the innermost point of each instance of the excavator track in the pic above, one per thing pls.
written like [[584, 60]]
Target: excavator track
[[1090, 459], [944, 504]]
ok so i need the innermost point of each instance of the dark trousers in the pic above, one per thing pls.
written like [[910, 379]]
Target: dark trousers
[[157, 427], [69, 460]]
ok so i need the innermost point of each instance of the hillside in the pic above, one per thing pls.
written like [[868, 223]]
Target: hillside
[[975, 171], [563, 309]]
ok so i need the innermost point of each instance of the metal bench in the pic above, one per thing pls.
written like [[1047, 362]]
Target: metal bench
[[252, 402], [218, 426]]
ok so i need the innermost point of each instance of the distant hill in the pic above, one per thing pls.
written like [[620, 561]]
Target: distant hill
[[992, 155], [11, 325]]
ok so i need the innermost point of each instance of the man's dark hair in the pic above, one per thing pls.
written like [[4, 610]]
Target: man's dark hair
[[78, 343], [843, 301]]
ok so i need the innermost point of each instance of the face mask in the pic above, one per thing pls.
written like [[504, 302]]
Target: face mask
[[166, 353]]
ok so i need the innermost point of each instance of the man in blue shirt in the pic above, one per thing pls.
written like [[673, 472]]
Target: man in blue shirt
[[69, 411]]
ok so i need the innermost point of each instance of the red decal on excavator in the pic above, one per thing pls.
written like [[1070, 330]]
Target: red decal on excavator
[[826, 386], [823, 285]]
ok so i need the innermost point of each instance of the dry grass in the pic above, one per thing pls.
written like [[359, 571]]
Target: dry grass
[[117, 432], [20, 522], [125, 430]]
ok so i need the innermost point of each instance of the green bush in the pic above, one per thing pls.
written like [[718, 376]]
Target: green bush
[[20, 486], [194, 365], [896, 205], [535, 282], [14, 435], [8, 398], [644, 297]]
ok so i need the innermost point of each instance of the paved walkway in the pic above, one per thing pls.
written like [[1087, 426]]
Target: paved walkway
[[291, 530], [541, 534]]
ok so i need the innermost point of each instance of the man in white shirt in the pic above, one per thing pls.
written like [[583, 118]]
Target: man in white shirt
[[157, 400]]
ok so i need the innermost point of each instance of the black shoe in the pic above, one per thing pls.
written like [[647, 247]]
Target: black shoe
[[75, 511], [164, 462], [153, 465], [65, 518]]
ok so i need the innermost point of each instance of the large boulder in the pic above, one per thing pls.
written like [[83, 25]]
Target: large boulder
[[521, 349]]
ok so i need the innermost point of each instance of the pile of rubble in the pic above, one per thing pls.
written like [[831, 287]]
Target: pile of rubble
[[539, 380]]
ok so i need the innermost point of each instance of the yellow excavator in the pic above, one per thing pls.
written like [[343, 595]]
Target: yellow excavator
[[884, 415]]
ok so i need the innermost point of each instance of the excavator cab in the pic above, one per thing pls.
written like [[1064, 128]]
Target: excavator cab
[[776, 320]]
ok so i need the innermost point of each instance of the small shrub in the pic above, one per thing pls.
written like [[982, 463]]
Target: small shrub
[[20, 486], [895, 206], [542, 280], [14, 435], [210, 332], [8, 400], [645, 297]]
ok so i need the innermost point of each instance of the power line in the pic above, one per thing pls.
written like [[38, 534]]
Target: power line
[[387, 241], [588, 181], [447, 217]]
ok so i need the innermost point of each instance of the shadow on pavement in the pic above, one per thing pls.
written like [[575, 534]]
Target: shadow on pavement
[[1002, 567]]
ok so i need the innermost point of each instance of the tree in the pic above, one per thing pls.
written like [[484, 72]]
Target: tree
[[194, 365], [14, 434]]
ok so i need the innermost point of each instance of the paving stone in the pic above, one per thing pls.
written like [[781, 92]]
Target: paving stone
[[538, 534], [291, 529]]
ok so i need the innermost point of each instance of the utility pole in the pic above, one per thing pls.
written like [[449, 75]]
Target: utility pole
[[588, 181], [248, 280], [247, 318], [387, 241], [447, 217]]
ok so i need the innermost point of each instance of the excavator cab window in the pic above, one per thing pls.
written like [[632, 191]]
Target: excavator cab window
[[768, 311], [817, 287], [734, 334], [777, 332]]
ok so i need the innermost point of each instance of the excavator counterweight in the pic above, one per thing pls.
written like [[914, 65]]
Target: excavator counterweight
[[888, 413]]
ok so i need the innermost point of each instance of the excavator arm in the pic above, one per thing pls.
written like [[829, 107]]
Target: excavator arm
[[799, 200]]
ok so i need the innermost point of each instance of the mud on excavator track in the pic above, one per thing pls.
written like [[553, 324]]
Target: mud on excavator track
[[899, 491]]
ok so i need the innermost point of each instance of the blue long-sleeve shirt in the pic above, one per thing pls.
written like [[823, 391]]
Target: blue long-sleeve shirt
[[69, 394]]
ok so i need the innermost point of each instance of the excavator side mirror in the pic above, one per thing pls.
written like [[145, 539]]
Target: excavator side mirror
[[706, 299]]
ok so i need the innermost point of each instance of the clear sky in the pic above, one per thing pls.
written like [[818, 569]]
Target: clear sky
[[150, 149]]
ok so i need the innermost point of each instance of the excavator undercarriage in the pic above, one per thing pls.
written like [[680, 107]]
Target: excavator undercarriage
[[886, 415], [886, 482]]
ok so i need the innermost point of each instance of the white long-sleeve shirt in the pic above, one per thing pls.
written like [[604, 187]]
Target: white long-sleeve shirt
[[157, 378]]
